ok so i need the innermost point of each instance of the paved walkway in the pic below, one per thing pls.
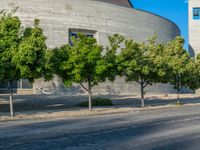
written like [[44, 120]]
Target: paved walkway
[[43, 102], [49, 106]]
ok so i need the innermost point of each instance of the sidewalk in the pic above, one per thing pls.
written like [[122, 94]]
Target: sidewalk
[[62, 107]]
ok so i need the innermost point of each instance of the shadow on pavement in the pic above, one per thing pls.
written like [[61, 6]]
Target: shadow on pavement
[[49, 102]]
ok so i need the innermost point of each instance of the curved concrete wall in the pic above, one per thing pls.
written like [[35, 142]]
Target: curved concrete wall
[[59, 16]]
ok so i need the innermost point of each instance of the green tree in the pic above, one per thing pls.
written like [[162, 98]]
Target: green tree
[[81, 63], [9, 41], [192, 74], [191, 78], [140, 63], [178, 64], [22, 52], [58, 59], [111, 56], [30, 57]]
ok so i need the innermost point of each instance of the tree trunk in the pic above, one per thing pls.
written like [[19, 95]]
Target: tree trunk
[[89, 91], [178, 94], [11, 98], [178, 87], [142, 94], [90, 96]]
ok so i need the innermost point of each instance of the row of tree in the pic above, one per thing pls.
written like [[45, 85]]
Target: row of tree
[[88, 63], [24, 54]]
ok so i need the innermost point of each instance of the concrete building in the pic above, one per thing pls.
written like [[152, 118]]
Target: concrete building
[[194, 27], [61, 19]]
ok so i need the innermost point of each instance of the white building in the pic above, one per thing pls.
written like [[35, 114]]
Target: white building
[[194, 27]]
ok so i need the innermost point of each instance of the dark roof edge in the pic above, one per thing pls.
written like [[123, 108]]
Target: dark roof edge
[[131, 3]]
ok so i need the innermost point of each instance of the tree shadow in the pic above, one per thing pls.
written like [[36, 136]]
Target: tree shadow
[[43, 102], [186, 142], [40, 102], [154, 101]]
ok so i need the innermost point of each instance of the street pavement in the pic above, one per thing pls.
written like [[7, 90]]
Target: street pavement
[[161, 129]]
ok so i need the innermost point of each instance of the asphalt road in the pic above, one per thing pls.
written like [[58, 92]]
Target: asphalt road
[[164, 129]]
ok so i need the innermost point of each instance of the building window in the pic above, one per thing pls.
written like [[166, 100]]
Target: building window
[[4, 85], [196, 13], [22, 84], [74, 32]]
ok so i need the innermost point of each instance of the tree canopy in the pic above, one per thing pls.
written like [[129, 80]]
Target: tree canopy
[[9, 42], [111, 56], [140, 63], [178, 64], [81, 63], [22, 52], [30, 56]]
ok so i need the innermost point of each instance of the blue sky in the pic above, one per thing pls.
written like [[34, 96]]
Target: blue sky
[[175, 10]]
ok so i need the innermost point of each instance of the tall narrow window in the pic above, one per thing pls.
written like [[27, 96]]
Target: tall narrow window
[[24, 84], [196, 13]]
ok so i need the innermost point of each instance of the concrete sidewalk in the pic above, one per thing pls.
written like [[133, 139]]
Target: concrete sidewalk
[[48, 106]]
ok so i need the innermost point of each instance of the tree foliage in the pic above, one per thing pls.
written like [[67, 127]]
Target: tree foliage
[[30, 57], [22, 52], [9, 42], [179, 64], [81, 63], [111, 56], [140, 63]]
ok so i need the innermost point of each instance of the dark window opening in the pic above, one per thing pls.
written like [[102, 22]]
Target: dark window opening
[[4, 85], [25, 84], [74, 33], [22, 84], [196, 13]]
